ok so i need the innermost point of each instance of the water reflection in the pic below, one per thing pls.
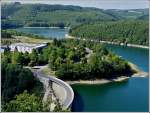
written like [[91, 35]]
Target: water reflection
[[88, 93], [78, 100]]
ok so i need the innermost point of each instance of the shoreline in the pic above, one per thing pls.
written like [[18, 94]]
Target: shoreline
[[67, 36], [98, 81], [105, 81], [138, 73], [49, 27]]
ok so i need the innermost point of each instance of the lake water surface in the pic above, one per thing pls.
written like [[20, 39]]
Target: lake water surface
[[45, 32], [131, 95]]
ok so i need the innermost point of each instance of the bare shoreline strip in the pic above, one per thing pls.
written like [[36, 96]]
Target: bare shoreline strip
[[100, 81], [104, 81], [47, 27], [109, 42]]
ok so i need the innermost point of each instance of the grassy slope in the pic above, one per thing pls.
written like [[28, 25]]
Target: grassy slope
[[24, 39]]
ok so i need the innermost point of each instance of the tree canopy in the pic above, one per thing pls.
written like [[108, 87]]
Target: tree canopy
[[74, 64], [134, 32], [44, 15], [25, 102]]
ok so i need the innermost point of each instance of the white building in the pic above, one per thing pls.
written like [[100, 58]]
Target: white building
[[3, 48], [26, 47]]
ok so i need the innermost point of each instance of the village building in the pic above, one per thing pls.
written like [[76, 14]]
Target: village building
[[26, 47]]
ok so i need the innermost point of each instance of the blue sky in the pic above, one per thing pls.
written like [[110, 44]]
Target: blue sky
[[103, 4]]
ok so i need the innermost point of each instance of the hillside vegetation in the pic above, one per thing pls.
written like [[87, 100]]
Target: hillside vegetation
[[16, 14], [135, 32], [128, 13], [50, 15], [16, 80]]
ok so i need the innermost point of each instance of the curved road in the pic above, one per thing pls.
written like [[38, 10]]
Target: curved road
[[69, 92]]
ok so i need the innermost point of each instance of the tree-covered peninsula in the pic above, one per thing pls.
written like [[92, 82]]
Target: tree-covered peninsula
[[75, 60]]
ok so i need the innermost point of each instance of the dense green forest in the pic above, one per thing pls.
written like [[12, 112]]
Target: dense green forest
[[135, 32], [15, 80], [16, 15]]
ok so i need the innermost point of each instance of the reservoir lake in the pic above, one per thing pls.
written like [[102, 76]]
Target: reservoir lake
[[131, 95], [46, 32]]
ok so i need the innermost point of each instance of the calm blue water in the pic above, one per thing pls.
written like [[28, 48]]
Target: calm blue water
[[46, 32], [127, 96], [137, 56], [130, 95]]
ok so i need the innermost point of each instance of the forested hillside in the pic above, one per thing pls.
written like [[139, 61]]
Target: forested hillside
[[50, 15], [16, 14], [135, 32]]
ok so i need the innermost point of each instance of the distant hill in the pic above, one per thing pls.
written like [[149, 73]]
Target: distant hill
[[144, 17], [16, 14], [128, 14], [51, 15]]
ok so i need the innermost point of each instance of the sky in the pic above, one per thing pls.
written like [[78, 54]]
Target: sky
[[102, 4]]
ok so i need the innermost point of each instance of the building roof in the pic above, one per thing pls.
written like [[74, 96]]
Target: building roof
[[30, 45]]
